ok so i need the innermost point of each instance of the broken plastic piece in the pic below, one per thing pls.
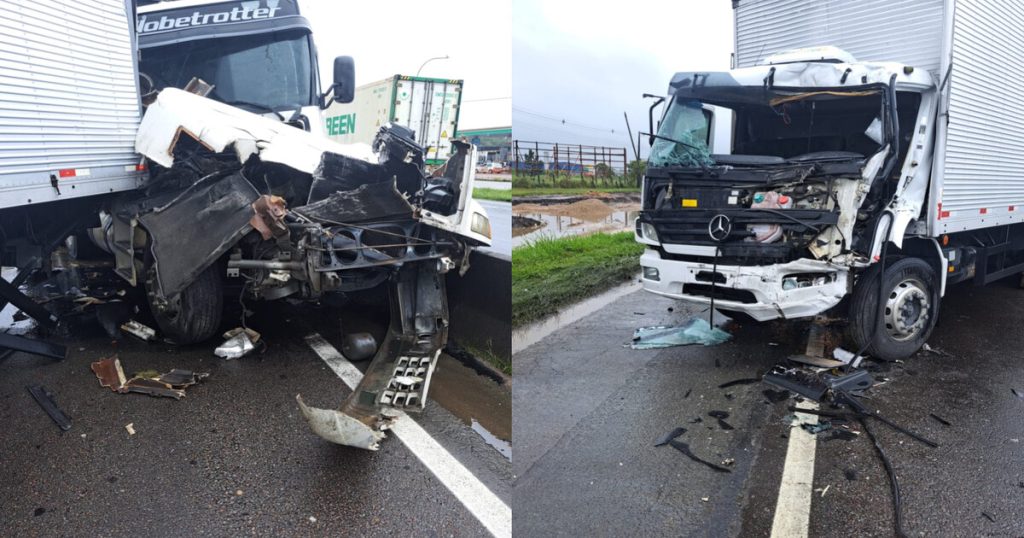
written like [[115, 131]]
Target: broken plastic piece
[[820, 362], [337, 427], [238, 343], [776, 396], [818, 427], [685, 449], [847, 357], [170, 385], [131, 428], [1017, 393], [138, 330], [110, 373], [694, 331], [45, 400], [721, 416], [796, 381], [853, 382], [743, 381], [664, 439]]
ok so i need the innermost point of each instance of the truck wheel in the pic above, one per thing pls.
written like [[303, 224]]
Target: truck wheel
[[195, 314], [908, 316]]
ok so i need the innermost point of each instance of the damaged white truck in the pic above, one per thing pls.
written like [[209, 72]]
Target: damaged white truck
[[259, 196], [861, 157]]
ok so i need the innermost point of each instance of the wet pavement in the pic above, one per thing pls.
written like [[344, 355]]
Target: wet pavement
[[588, 410], [234, 456], [500, 214]]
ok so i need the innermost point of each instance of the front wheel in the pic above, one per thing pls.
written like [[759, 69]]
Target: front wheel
[[193, 315], [908, 314]]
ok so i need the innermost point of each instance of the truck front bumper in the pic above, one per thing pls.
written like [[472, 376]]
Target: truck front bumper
[[755, 290]]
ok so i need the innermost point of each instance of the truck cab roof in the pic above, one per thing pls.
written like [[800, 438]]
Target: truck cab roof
[[794, 69]]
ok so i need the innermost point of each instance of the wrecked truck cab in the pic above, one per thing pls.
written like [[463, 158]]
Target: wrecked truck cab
[[233, 195], [770, 190]]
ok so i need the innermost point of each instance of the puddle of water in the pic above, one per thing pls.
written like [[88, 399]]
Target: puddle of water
[[471, 396], [580, 218], [528, 335], [503, 447]]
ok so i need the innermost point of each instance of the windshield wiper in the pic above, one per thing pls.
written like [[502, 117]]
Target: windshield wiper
[[257, 106], [681, 143]]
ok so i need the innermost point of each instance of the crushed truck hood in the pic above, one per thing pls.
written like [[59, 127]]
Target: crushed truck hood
[[219, 126]]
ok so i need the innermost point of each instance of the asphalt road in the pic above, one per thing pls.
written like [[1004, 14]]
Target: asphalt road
[[234, 457], [500, 214], [588, 410]]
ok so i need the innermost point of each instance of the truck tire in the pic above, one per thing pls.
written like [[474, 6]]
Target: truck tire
[[907, 318], [195, 314]]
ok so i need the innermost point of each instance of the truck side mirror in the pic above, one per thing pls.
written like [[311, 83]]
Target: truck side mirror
[[343, 89]]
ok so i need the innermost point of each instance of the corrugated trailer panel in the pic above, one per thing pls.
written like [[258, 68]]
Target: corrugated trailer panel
[[904, 31], [68, 99], [982, 171], [431, 108]]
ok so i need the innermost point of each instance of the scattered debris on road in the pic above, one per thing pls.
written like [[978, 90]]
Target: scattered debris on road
[[664, 439], [743, 381], [170, 385], [1017, 393], [721, 416], [941, 420], [685, 449], [139, 330], [694, 331], [238, 342], [45, 399], [130, 427]]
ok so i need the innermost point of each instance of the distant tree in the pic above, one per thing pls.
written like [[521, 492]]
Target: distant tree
[[636, 170], [533, 164], [603, 171]]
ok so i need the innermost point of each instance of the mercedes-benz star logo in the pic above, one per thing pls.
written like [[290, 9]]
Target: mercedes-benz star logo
[[719, 228]]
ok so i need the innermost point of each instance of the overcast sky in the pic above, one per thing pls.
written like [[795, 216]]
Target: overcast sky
[[395, 37], [583, 63]]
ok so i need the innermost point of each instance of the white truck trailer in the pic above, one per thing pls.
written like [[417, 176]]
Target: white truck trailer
[[861, 156], [427, 106], [188, 194]]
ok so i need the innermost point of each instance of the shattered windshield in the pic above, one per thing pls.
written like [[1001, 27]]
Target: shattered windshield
[[259, 72], [781, 127], [683, 136]]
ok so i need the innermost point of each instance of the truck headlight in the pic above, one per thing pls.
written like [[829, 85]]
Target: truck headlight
[[648, 232], [480, 225]]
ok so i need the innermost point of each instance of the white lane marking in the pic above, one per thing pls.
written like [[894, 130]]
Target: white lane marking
[[793, 509], [495, 515]]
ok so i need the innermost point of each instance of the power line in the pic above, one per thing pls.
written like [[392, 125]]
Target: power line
[[562, 121]]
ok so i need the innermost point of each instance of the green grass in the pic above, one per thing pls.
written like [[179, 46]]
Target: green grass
[[486, 355], [549, 274], [500, 195], [518, 193]]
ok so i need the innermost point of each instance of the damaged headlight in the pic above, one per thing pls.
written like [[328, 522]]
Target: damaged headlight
[[480, 225], [647, 231]]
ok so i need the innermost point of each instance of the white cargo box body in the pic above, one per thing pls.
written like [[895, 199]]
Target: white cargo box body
[[69, 104], [978, 170], [428, 106]]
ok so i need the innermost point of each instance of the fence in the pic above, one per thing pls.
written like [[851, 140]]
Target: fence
[[535, 158]]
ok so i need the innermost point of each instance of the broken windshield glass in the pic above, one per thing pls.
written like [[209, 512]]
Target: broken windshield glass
[[683, 137]]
